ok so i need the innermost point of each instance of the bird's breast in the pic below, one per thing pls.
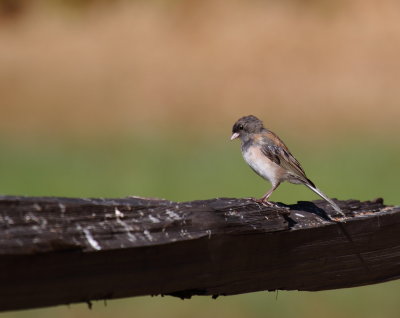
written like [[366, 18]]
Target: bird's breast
[[264, 167]]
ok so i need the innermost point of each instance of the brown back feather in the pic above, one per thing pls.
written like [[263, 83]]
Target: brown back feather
[[278, 152]]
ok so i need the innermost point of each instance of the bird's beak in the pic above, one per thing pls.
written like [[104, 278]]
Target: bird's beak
[[234, 136]]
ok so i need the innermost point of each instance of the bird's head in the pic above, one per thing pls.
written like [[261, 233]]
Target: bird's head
[[245, 126]]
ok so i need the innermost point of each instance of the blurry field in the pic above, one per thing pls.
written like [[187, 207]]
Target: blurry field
[[191, 167], [139, 97]]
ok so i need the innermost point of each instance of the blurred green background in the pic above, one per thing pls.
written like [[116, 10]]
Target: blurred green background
[[118, 98]]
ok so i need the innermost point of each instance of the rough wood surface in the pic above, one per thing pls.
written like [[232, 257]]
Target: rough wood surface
[[62, 250]]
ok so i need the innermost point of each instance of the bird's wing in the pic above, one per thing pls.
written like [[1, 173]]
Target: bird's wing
[[279, 153]]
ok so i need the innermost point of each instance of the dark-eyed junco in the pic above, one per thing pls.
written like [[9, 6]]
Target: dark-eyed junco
[[269, 157]]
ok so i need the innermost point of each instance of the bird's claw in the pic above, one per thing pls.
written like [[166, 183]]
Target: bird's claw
[[265, 202]]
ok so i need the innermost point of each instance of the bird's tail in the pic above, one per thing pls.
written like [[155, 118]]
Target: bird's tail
[[322, 195]]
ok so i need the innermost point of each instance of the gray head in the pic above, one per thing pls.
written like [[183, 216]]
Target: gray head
[[246, 125]]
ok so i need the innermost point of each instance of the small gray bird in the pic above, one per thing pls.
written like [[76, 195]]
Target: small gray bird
[[269, 157]]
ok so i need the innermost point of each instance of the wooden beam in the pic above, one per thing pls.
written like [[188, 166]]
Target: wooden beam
[[63, 250]]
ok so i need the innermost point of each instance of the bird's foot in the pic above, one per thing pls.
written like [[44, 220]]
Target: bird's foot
[[265, 202]]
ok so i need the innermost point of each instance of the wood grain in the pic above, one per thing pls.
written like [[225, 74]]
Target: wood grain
[[65, 250]]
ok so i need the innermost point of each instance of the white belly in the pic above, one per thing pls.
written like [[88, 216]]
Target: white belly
[[264, 167]]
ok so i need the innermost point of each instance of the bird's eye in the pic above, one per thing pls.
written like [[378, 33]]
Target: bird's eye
[[241, 127]]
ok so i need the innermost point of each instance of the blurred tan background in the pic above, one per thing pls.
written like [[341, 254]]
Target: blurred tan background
[[113, 66], [115, 98]]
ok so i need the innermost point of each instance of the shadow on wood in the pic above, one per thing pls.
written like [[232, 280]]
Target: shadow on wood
[[62, 250]]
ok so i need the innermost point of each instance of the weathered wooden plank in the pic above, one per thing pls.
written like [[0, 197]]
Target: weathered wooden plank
[[62, 250]]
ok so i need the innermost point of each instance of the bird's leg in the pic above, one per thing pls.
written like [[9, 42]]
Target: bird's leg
[[265, 197]]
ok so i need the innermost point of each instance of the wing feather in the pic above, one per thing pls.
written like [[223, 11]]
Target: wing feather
[[279, 153]]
